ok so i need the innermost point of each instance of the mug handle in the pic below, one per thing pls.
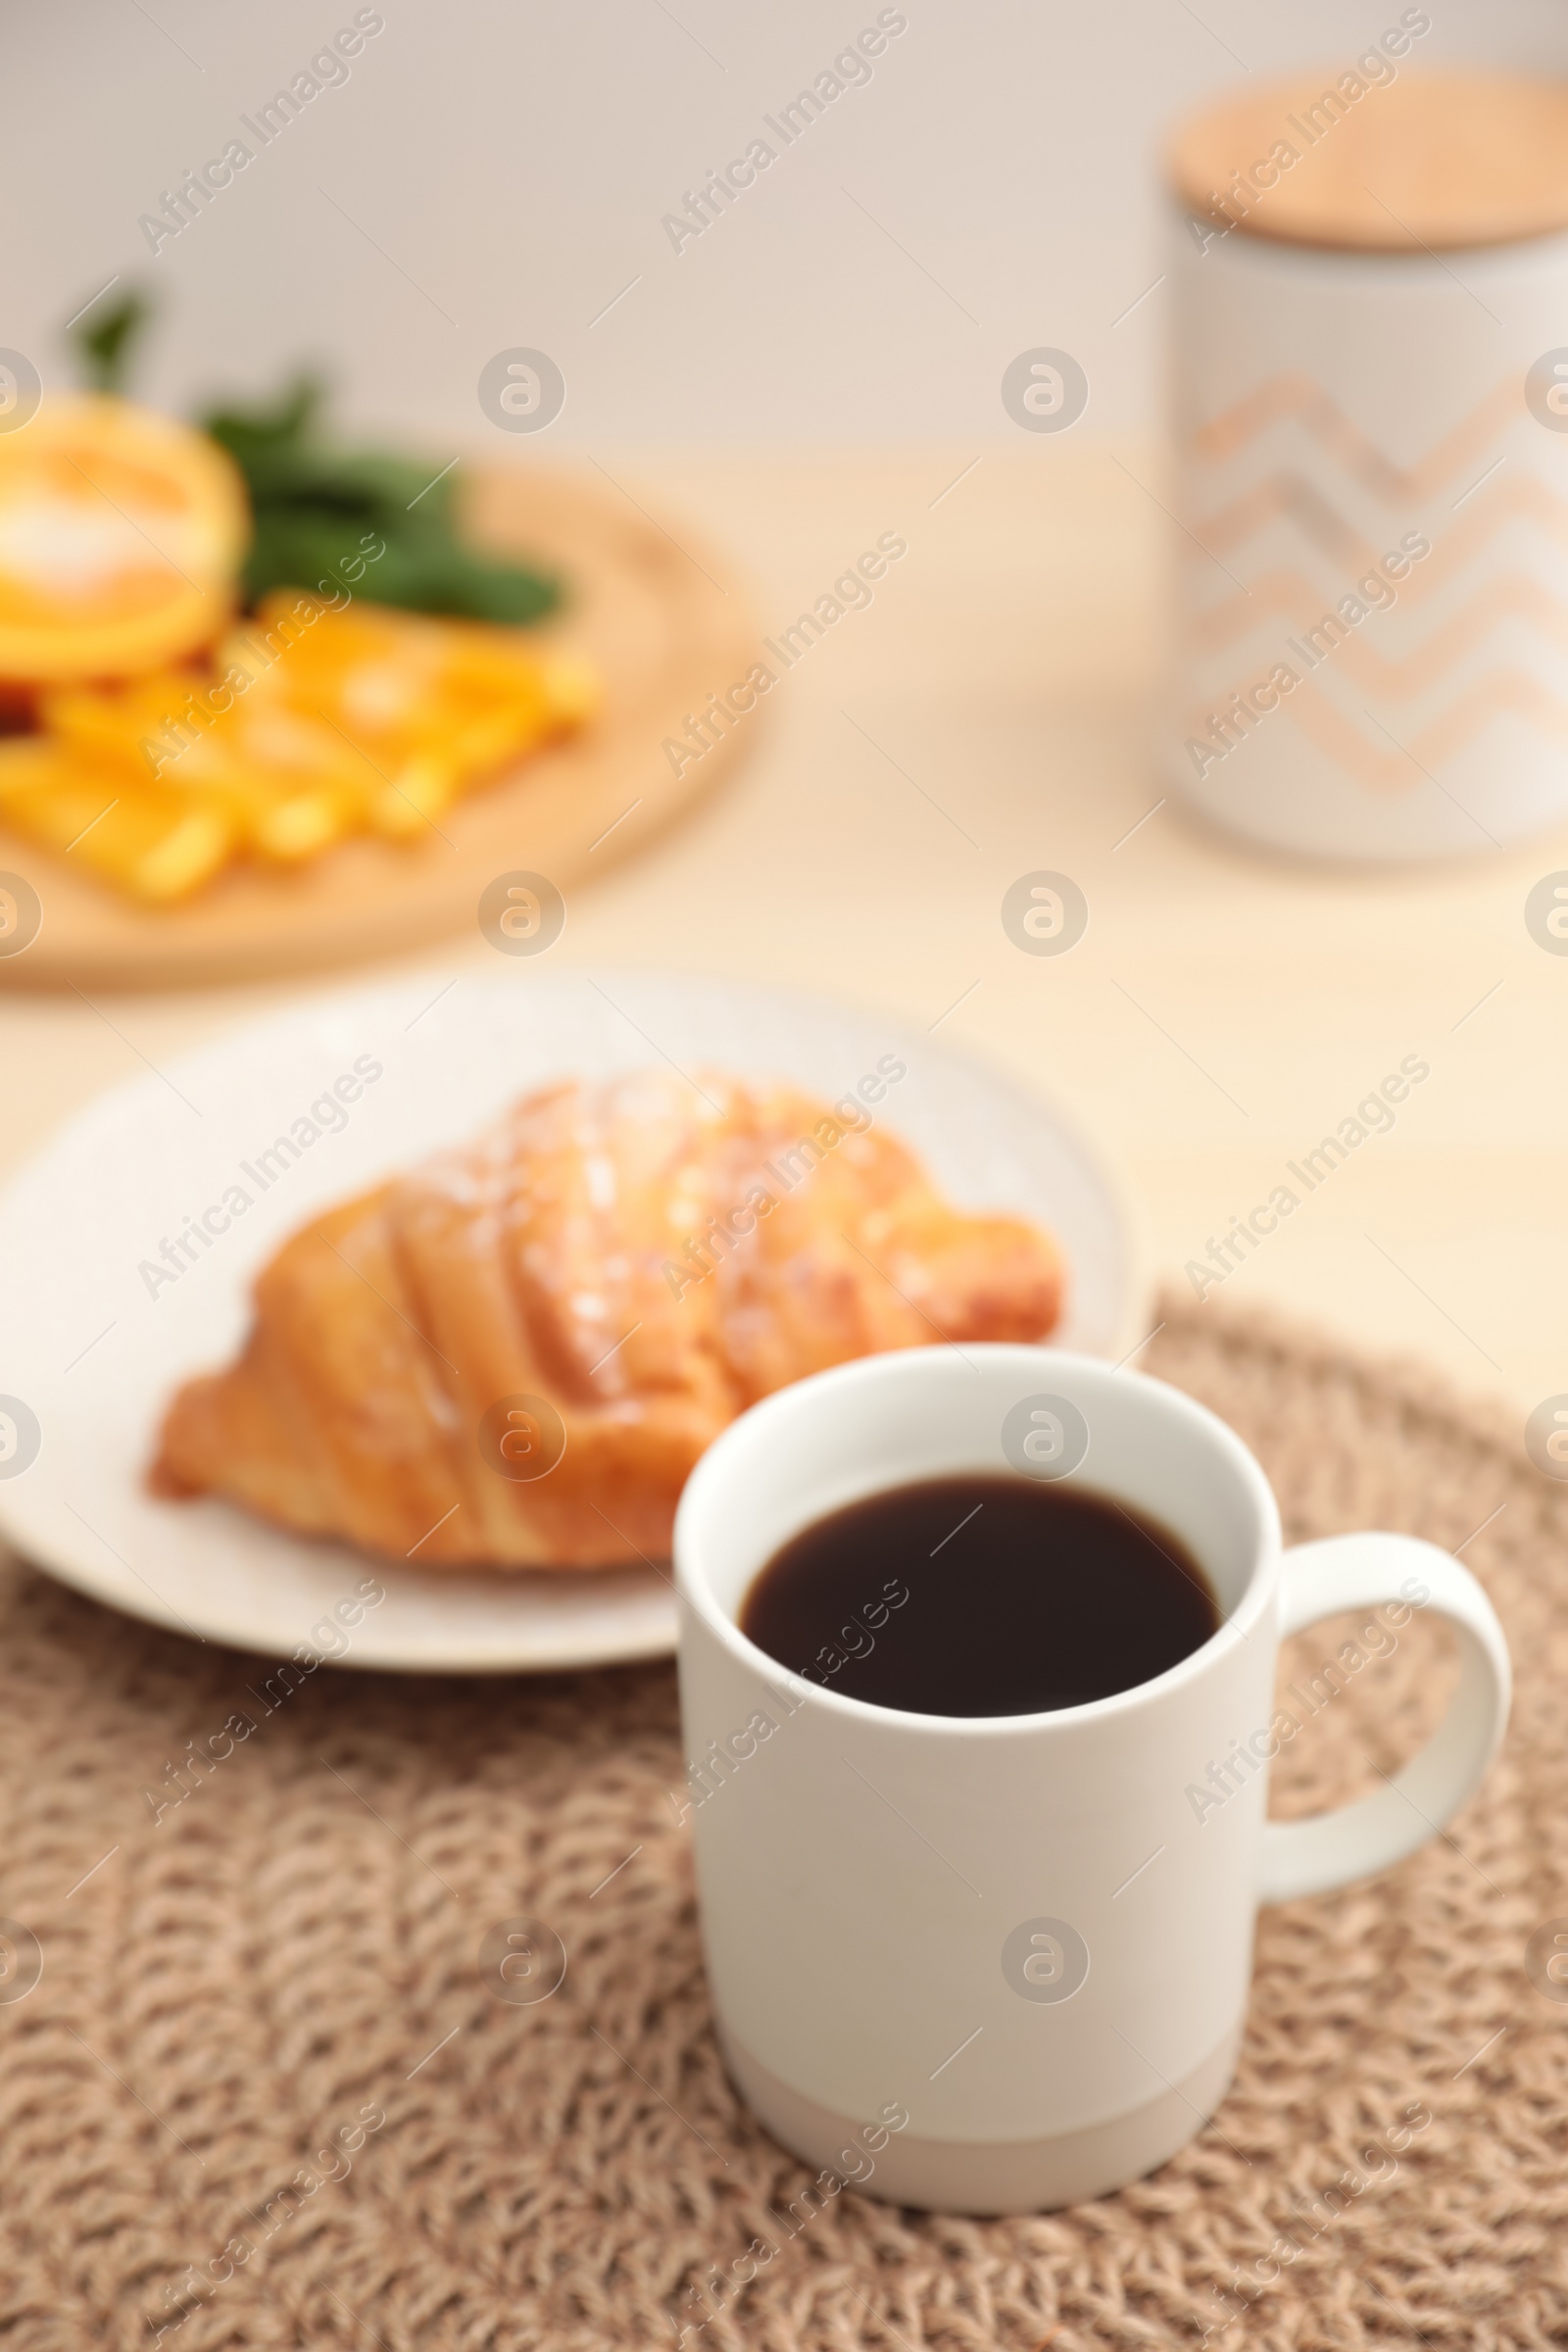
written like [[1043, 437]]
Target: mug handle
[[1357, 1572]]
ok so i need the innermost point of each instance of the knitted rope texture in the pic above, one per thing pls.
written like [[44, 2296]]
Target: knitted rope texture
[[264, 2094]]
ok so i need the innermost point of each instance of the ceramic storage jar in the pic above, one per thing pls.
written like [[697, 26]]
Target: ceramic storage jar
[[1370, 295]]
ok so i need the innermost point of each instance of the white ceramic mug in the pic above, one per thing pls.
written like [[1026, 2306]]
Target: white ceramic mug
[[1001, 1964]]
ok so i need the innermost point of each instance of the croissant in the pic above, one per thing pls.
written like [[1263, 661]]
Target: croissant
[[513, 1356]]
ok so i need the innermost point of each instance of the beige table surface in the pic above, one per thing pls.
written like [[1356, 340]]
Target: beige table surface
[[993, 713]]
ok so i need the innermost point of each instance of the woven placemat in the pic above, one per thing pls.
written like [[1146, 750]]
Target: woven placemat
[[263, 2095]]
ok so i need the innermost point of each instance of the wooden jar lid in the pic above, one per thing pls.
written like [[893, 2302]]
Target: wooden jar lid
[[1427, 161]]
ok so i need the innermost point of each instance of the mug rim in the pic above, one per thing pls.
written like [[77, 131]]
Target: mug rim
[[694, 1590]]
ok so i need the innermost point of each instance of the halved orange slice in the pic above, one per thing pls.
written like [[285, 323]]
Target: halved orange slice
[[122, 533]]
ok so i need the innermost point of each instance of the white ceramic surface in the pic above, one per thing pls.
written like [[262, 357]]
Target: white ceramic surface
[[1373, 508], [1018, 1933], [94, 1351]]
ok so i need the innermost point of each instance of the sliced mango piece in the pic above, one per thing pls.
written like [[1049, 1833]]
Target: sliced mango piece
[[309, 725], [157, 845]]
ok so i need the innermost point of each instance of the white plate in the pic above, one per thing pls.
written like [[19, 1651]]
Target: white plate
[[94, 1353]]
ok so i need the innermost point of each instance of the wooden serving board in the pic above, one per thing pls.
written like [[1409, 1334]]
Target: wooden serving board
[[664, 628]]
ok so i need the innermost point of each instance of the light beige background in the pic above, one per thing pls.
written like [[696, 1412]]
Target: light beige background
[[994, 712], [493, 176]]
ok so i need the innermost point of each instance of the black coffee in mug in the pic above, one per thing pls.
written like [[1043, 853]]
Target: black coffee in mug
[[981, 1596]]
